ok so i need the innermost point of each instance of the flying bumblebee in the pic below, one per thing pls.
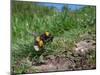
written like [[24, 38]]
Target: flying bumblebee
[[41, 40]]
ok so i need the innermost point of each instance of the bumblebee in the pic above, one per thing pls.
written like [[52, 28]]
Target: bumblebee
[[41, 40]]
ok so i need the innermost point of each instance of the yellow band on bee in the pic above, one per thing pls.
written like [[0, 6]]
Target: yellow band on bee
[[41, 43], [47, 33], [38, 38]]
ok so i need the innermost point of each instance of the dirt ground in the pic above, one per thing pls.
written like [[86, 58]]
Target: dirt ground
[[79, 59]]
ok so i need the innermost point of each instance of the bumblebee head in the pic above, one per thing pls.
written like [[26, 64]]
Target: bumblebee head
[[47, 33]]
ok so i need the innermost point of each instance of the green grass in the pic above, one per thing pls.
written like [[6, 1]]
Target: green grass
[[66, 27]]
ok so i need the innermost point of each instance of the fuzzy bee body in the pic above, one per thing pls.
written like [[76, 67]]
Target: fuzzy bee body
[[41, 40]]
